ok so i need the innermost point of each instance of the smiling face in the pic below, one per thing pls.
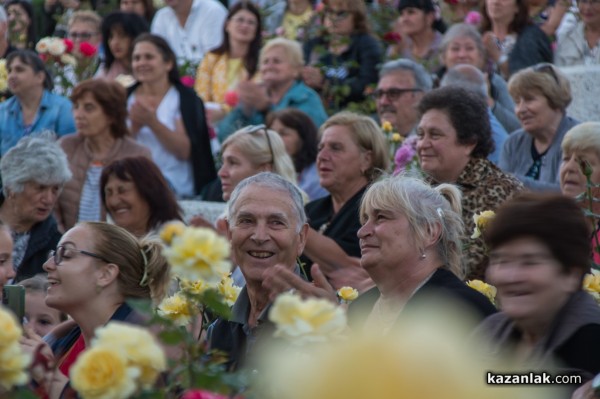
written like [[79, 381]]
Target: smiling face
[[264, 231], [148, 63], [235, 168], [276, 69], [73, 283], [529, 280], [534, 111], [589, 12], [463, 50], [6, 248], [40, 316], [242, 26], [126, 206], [18, 19], [22, 79], [440, 153], [572, 180], [386, 241], [90, 118], [340, 161]]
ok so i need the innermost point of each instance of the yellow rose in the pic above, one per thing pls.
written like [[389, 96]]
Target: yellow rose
[[229, 291], [176, 308], [10, 331], [102, 373], [13, 366], [139, 346], [171, 230], [482, 221], [396, 138], [3, 75], [194, 287], [304, 321], [486, 289], [591, 284], [386, 126], [199, 254], [347, 294]]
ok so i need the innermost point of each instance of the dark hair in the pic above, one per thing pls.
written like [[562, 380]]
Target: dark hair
[[150, 184], [427, 7], [519, 22], [112, 99], [28, 7], [358, 9], [163, 48], [30, 58], [554, 219], [131, 24], [307, 130], [251, 57], [149, 10], [468, 114]]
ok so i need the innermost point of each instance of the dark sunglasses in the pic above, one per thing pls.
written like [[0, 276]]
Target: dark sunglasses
[[392, 94], [251, 129], [59, 254], [547, 68]]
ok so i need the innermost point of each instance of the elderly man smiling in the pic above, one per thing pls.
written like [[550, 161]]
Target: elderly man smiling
[[267, 229]]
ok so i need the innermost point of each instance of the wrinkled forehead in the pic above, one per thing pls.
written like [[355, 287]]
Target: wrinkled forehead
[[261, 201]]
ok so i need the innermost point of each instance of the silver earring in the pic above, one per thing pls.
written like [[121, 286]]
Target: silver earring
[[423, 255]]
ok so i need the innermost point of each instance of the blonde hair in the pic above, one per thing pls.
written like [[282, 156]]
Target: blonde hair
[[255, 147], [424, 207], [143, 270], [291, 48], [86, 16], [366, 135], [583, 137], [551, 84]]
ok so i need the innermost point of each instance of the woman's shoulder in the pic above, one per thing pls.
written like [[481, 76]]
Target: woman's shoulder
[[132, 148]]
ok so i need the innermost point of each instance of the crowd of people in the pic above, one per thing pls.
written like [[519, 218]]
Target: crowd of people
[[350, 144]]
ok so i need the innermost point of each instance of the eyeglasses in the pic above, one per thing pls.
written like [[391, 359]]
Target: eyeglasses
[[340, 14], [257, 128], [547, 68], [59, 254], [392, 94], [246, 21], [81, 35]]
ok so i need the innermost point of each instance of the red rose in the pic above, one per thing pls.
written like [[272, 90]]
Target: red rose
[[231, 98], [87, 49], [69, 44], [392, 37], [187, 81]]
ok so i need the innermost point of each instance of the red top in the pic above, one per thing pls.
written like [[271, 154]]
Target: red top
[[71, 356]]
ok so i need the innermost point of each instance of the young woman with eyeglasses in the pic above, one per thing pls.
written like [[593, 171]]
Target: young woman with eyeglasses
[[95, 268], [236, 60]]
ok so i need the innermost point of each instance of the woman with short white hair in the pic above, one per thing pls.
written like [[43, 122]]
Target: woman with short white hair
[[33, 175]]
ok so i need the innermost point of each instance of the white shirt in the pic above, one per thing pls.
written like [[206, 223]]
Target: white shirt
[[177, 172], [203, 30]]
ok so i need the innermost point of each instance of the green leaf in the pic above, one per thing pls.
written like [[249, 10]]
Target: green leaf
[[172, 336], [214, 301], [143, 306]]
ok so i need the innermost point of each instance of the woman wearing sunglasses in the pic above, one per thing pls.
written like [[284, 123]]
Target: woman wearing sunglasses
[[351, 57], [532, 153], [95, 268]]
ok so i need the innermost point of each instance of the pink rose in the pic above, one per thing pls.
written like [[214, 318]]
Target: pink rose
[[231, 98], [187, 81], [473, 18], [405, 154]]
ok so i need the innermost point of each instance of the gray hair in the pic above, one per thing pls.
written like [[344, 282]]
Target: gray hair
[[3, 16], [461, 30], [36, 158], [424, 207], [423, 79], [270, 181], [468, 77]]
